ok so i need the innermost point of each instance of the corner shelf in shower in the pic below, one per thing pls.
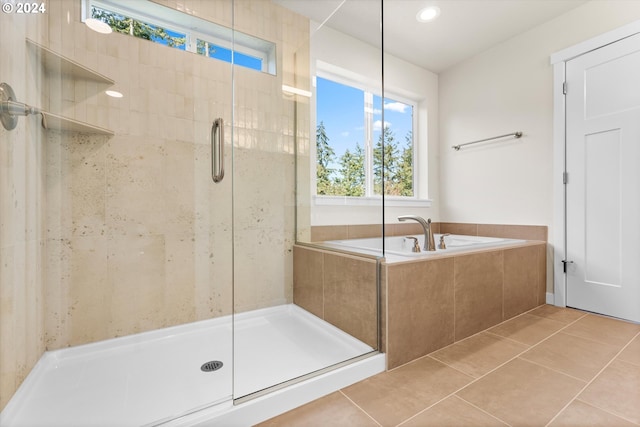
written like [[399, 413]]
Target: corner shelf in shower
[[56, 122], [55, 63]]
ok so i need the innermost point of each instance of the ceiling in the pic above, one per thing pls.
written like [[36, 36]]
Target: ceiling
[[464, 28]]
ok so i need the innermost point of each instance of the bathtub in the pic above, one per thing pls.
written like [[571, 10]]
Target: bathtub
[[402, 245]]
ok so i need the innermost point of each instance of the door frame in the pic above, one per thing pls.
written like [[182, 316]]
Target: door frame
[[559, 60]]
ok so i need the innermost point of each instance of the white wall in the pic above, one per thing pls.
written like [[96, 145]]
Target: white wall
[[505, 89], [402, 78]]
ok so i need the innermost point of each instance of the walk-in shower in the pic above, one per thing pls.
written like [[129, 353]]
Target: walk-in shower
[[147, 241]]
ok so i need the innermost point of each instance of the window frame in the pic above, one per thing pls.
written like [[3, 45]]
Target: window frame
[[344, 77]]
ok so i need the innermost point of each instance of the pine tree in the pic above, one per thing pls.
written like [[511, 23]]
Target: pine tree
[[351, 180], [405, 168], [126, 25], [386, 167], [324, 158]]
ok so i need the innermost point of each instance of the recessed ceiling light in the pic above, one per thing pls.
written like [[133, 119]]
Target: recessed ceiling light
[[428, 14], [98, 26], [113, 93]]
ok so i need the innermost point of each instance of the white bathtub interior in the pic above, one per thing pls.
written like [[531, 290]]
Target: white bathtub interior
[[151, 377], [402, 245]]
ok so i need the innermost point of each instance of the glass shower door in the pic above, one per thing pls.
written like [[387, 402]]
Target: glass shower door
[[299, 308], [132, 239]]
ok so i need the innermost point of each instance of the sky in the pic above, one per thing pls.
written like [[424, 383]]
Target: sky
[[341, 109]]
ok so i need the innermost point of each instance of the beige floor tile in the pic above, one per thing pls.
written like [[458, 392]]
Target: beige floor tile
[[394, 396], [603, 329], [631, 354], [616, 390], [479, 354], [575, 356], [333, 409], [522, 393], [453, 412], [584, 415], [527, 329], [561, 314]]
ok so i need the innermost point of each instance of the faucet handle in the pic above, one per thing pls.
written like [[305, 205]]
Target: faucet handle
[[416, 245], [442, 245]]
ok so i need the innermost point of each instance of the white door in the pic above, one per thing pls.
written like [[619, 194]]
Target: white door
[[603, 187]]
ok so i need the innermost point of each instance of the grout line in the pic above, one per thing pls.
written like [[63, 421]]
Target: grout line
[[529, 346], [604, 410], [584, 313], [593, 379], [454, 393], [469, 337], [502, 284], [553, 369], [466, 374], [453, 285], [358, 406], [493, 333], [480, 409], [594, 340]]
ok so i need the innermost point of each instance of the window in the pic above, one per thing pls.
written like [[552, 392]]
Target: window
[[160, 24], [349, 142], [213, 50], [137, 28]]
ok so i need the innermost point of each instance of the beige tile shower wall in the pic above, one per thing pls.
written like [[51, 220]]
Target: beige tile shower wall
[[22, 242], [433, 303], [139, 236]]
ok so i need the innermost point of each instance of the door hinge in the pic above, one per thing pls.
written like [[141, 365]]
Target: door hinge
[[565, 177], [564, 88], [564, 265]]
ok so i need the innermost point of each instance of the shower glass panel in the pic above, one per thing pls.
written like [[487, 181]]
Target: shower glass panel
[[22, 189], [144, 282], [128, 245], [300, 305]]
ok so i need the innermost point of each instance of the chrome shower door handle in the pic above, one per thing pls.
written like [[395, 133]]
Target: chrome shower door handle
[[217, 150]]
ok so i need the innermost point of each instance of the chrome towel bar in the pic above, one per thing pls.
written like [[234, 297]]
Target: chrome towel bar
[[514, 134]]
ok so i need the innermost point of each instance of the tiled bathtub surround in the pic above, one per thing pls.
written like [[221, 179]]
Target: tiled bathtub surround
[[321, 233], [426, 304], [432, 303], [551, 367], [341, 289]]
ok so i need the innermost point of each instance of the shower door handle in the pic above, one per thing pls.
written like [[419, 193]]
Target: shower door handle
[[217, 150]]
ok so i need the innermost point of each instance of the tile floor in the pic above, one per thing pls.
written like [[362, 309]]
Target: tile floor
[[548, 367]]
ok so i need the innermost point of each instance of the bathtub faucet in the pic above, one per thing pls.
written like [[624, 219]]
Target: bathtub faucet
[[429, 243]]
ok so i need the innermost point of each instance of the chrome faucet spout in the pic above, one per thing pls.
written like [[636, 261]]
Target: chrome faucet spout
[[429, 242]]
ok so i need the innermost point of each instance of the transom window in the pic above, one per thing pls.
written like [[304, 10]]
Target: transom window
[[349, 142], [170, 27]]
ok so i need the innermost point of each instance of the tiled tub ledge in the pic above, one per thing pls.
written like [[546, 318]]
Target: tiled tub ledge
[[431, 303], [428, 303]]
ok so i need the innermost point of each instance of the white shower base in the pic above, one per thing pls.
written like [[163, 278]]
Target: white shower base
[[154, 377]]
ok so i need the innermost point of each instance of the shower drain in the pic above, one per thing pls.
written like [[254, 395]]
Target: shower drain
[[214, 365]]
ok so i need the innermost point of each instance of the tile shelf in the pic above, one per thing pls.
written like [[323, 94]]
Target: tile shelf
[[56, 122], [53, 62], [56, 63]]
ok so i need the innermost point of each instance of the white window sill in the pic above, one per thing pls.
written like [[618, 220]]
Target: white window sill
[[389, 201]]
